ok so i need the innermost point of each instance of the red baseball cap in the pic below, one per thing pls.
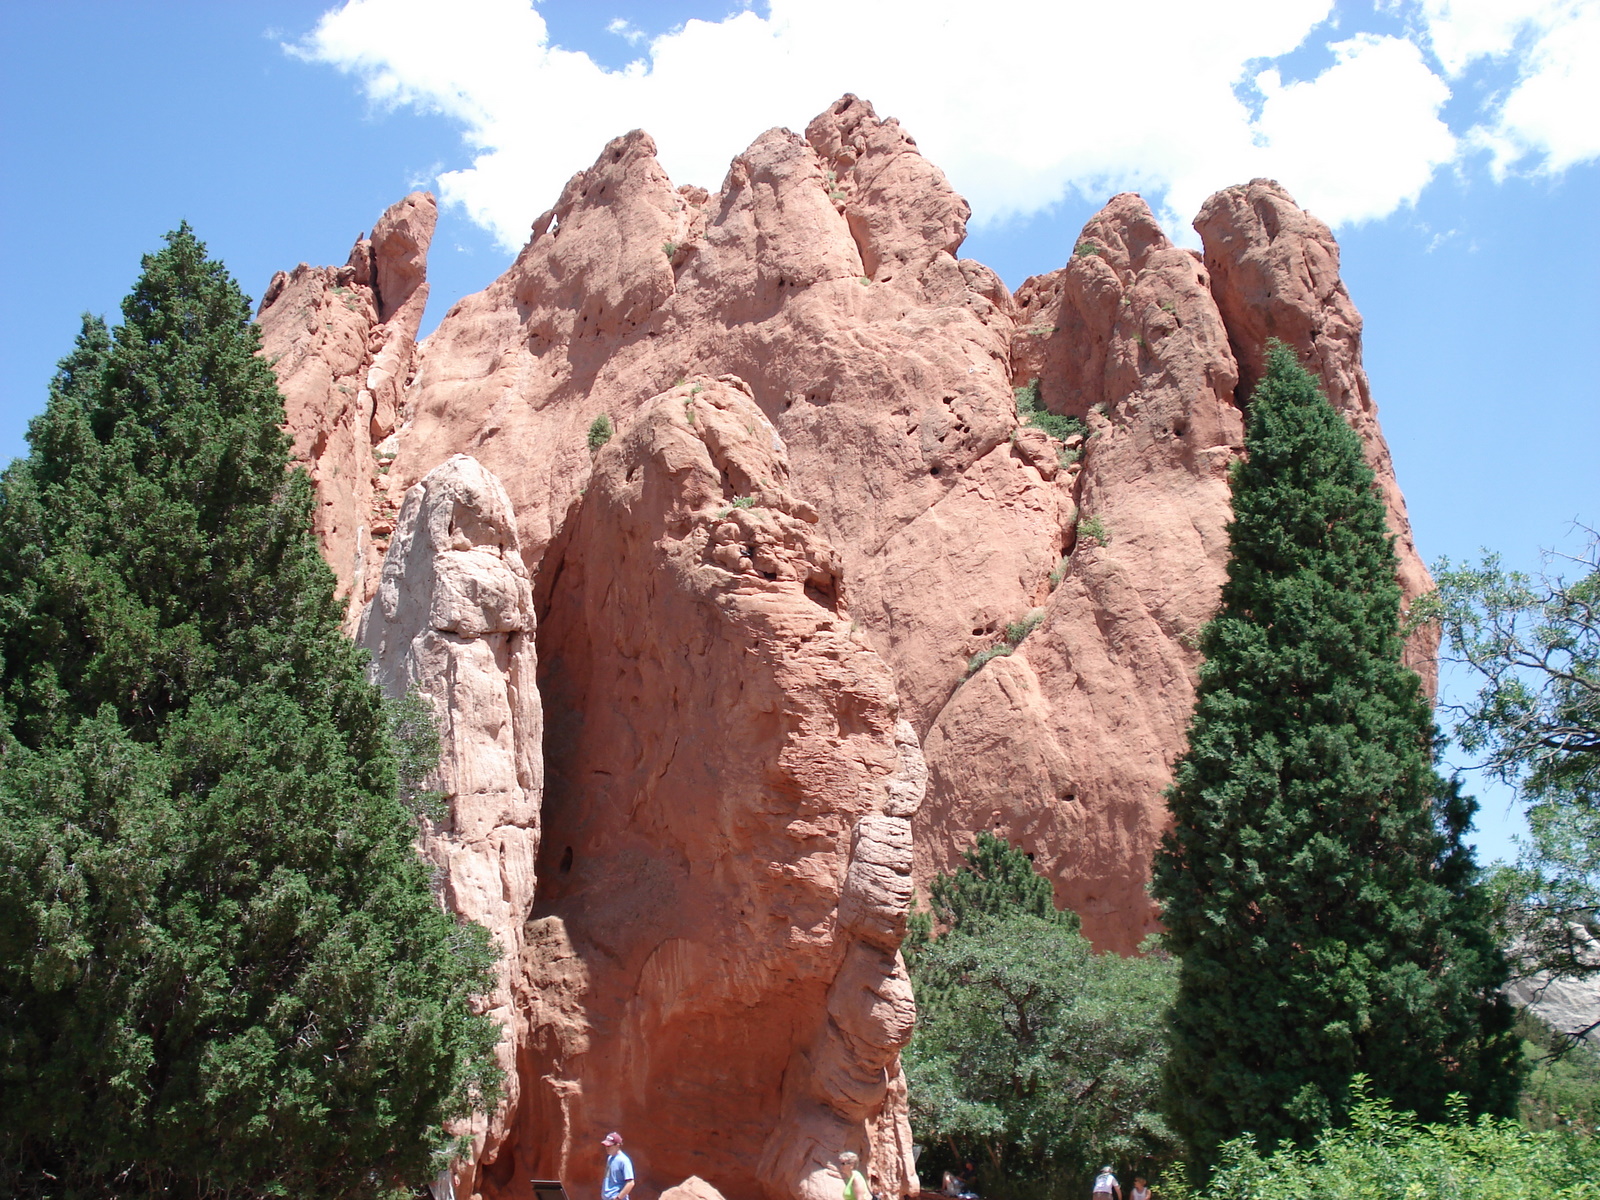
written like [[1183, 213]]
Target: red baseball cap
[[611, 1139]]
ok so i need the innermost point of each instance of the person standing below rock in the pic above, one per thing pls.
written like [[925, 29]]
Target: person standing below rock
[[1105, 1184], [619, 1169], [855, 1187], [1141, 1189]]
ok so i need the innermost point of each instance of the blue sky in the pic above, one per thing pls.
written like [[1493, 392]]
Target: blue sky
[[1452, 143]]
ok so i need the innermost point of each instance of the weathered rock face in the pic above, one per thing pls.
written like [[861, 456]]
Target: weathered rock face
[[727, 838], [1568, 1004], [1070, 739], [736, 691], [822, 275], [453, 618], [341, 340]]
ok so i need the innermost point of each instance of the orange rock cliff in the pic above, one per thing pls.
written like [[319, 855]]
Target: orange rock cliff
[[703, 690]]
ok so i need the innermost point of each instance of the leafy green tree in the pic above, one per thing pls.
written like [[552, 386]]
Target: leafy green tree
[[1534, 644], [1032, 1053], [222, 971], [1315, 883], [1563, 1081]]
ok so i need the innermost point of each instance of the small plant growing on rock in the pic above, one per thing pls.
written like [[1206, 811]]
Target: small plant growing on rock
[[1068, 455], [1094, 527], [1059, 572], [1015, 632], [600, 432], [1087, 248], [1031, 412], [670, 249], [744, 502]]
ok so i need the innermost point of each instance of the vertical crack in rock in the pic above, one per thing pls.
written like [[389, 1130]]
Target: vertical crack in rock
[[727, 830], [453, 618]]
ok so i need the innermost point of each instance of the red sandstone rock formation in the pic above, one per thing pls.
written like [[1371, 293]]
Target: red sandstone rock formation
[[341, 340], [821, 274], [727, 835], [453, 618], [1069, 740], [708, 679]]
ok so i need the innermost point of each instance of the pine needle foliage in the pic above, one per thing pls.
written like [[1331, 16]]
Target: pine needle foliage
[[1315, 884], [222, 970]]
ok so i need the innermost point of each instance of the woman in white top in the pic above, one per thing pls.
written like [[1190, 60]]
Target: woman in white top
[[1141, 1189]]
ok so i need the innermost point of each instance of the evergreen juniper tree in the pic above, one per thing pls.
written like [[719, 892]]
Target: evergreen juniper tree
[[222, 970], [1315, 884]]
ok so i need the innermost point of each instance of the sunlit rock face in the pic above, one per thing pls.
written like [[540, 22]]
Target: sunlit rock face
[[453, 620], [342, 341], [727, 837], [757, 603]]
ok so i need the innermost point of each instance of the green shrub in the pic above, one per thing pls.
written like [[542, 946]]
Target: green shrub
[[670, 249], [600, 432], [1013, 635], [1059, 572], [1094, 527], [1030, 411], [1563, 1083], [1387, 1153]]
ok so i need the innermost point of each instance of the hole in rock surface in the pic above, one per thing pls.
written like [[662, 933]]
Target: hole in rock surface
[[566, 860]]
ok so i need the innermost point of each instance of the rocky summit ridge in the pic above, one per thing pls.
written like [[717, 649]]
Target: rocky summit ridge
[[718, 693]]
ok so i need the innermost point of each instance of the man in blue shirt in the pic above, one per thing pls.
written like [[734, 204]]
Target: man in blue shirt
[[619, 1169]]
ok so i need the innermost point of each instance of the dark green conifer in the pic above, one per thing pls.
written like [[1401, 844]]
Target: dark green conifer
[[222, 970], [1315, 883]]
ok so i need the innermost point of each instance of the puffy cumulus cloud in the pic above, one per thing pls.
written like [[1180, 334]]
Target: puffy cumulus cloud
[[1362, 137], [1553, 47], [1018, 100]]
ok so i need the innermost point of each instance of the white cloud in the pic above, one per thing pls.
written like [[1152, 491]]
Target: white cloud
[[1549, 111], [1362, 137], [1018, 100]]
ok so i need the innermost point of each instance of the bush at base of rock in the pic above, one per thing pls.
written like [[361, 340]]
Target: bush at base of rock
[[1388, 1153]]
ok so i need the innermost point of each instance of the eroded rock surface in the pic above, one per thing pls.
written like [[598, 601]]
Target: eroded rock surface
[[726, 867], [453, 619], [823, 275], [752, 618], [1066, 744], [341, 340]]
